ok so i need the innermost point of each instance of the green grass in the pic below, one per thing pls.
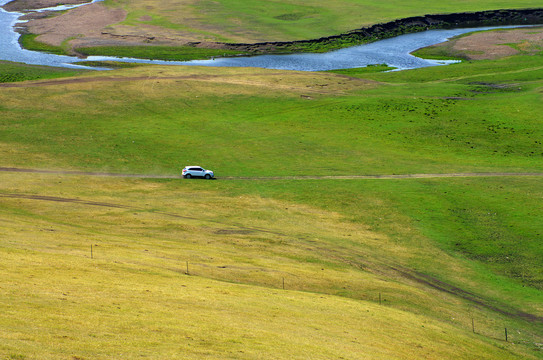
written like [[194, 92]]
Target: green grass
[[29, 42], [425, 127], [338, 245], [238, 21], [171, 53], [438, 53], [109, 64], [494, 221], [432, 127], [362, 71], [13, 72]]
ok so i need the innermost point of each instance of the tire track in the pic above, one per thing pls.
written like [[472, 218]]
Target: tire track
[[33, 197], [479, 300], [86, 173], [294, 177]]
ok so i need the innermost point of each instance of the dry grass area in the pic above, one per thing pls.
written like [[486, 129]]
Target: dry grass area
[[193, 79], [107, 268]]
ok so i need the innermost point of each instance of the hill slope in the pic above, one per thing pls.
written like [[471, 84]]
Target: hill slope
[[371, 268]]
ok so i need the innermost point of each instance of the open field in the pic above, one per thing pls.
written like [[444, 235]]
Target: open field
[[132, 298], [398, 268]]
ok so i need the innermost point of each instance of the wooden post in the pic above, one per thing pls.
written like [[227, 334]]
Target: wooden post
[[283, 283], [473, 325], [505, 334], [187, 268], [379, 298], [91, 252]]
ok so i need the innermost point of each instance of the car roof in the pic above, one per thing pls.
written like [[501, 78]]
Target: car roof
[[189, 166]]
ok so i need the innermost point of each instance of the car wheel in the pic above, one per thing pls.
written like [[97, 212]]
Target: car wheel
[[188, 176], [208, 176]]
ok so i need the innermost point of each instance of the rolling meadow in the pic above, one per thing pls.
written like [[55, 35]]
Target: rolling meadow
[[356, 214]]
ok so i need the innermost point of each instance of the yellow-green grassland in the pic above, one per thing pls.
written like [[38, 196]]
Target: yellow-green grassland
[[355, 215]]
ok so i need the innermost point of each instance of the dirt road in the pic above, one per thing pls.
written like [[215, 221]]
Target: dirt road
[[300, 177]]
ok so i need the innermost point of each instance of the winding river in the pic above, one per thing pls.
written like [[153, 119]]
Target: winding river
[[394, 52]]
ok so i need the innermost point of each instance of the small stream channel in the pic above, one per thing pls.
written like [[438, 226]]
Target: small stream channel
[[394, 52]]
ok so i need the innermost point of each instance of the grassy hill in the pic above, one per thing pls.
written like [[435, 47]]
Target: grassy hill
[[273, 260]]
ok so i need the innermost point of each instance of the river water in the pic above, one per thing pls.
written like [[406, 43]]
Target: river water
[[394, 52], [11, 50]]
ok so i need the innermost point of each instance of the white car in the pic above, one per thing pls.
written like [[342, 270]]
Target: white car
[[197, 171]]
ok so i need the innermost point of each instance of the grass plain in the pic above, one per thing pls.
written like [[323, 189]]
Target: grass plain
[[12, 72], [248, 267]]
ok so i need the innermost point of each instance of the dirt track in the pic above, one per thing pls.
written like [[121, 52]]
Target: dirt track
[[479, 300], [300, 177]]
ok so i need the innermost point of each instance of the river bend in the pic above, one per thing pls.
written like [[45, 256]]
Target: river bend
[[394, 52]]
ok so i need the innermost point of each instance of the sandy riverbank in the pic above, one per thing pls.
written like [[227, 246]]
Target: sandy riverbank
[[27, 5]]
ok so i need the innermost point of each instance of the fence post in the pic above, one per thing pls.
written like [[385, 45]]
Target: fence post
[[505, 334]]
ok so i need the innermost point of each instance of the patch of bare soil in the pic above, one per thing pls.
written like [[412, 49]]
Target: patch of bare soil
[[86, 21], [500, 43], [95, 25], [26, 5]]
